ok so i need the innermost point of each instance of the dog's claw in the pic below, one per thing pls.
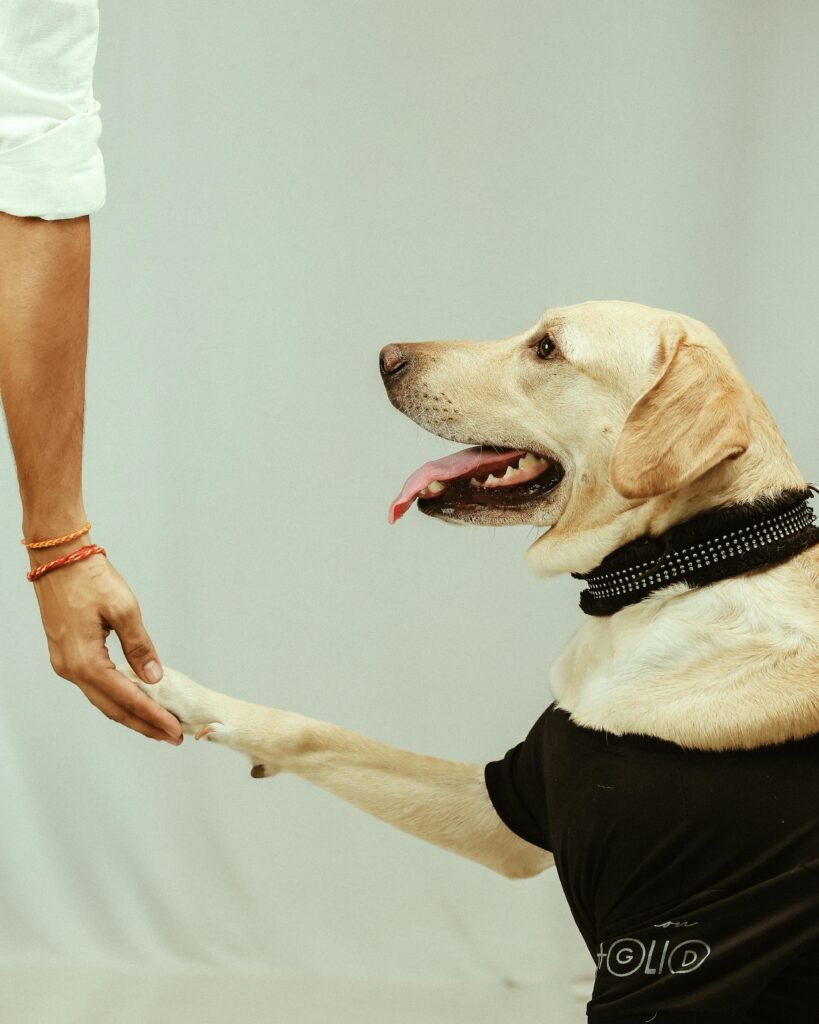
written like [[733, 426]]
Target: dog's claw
[[206, 730]]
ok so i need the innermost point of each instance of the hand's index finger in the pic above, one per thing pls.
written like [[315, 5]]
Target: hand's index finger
[[117, 713], [129, 696]]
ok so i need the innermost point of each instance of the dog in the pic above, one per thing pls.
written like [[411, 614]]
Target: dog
[[609, 424]]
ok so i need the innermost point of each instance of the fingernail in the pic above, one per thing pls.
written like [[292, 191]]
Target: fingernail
[[153, 672]]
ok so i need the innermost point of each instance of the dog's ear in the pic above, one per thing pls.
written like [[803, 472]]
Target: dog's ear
[[690, 419]]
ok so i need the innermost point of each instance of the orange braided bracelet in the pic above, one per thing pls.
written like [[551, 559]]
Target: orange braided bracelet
[[74, 556], [56, 540]]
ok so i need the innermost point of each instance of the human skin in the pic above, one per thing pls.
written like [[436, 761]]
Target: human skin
[[44, 294]]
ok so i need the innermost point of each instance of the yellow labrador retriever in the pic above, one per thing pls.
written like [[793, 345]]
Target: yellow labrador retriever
[[675, 780]]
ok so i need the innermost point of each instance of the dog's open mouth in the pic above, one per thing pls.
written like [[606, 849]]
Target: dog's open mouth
[[479, 476]]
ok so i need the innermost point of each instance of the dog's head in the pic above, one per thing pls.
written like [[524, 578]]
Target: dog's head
[[604, 421]]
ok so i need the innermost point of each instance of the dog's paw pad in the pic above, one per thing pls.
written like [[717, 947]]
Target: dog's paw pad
[[263, 771], [212, 732]]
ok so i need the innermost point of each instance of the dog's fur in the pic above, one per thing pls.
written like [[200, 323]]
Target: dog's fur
[[652, 422]]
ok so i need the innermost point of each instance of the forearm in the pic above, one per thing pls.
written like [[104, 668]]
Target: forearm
[[441, 801], [44, 294]]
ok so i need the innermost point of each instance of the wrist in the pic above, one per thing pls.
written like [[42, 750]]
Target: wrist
[[42, 522], [311, 740], [297, 740], [58, 525]]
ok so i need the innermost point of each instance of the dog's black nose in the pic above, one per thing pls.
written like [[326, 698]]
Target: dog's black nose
[[391, 361]]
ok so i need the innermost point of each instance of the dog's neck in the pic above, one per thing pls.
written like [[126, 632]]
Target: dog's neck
[[696, 666], [712, 546], [731, 665]]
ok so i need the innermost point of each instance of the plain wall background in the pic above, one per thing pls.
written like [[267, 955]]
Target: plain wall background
[[292, 185]]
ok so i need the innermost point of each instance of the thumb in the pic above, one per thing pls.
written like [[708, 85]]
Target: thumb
[[137, 646]]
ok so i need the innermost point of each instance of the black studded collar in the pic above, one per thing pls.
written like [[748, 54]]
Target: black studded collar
[[711, 546]]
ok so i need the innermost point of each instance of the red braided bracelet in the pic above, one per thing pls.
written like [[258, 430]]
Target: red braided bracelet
[[73, 556]]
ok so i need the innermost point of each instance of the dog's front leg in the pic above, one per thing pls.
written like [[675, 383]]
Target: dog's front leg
[[443, 802]]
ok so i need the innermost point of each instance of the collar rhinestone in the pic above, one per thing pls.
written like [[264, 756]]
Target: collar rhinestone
[[712, 546]]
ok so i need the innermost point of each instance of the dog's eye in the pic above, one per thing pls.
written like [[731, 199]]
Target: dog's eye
[[545, 347]]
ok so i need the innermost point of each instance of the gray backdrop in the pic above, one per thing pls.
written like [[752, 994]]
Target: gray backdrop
[[291, 185]]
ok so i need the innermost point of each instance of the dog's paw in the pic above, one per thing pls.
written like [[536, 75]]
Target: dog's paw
[[217, 718], [194, 705]]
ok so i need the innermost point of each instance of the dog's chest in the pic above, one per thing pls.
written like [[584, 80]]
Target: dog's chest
[[735, 664]]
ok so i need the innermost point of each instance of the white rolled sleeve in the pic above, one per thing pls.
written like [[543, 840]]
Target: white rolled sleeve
[[50, 162]]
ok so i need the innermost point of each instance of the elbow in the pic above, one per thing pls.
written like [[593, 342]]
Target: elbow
[[527, 867]]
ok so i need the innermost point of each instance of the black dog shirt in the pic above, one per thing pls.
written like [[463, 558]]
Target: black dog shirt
[[693, 876]]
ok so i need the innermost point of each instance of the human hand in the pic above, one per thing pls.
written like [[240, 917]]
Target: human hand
[[80, 604]]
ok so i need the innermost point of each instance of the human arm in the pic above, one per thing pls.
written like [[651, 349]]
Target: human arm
[[44, 294]]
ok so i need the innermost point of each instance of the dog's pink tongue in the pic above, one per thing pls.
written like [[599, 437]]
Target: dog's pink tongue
[[463, 463]]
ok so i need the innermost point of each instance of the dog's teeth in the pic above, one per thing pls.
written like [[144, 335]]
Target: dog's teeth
[[435, 487], [529, 461]]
